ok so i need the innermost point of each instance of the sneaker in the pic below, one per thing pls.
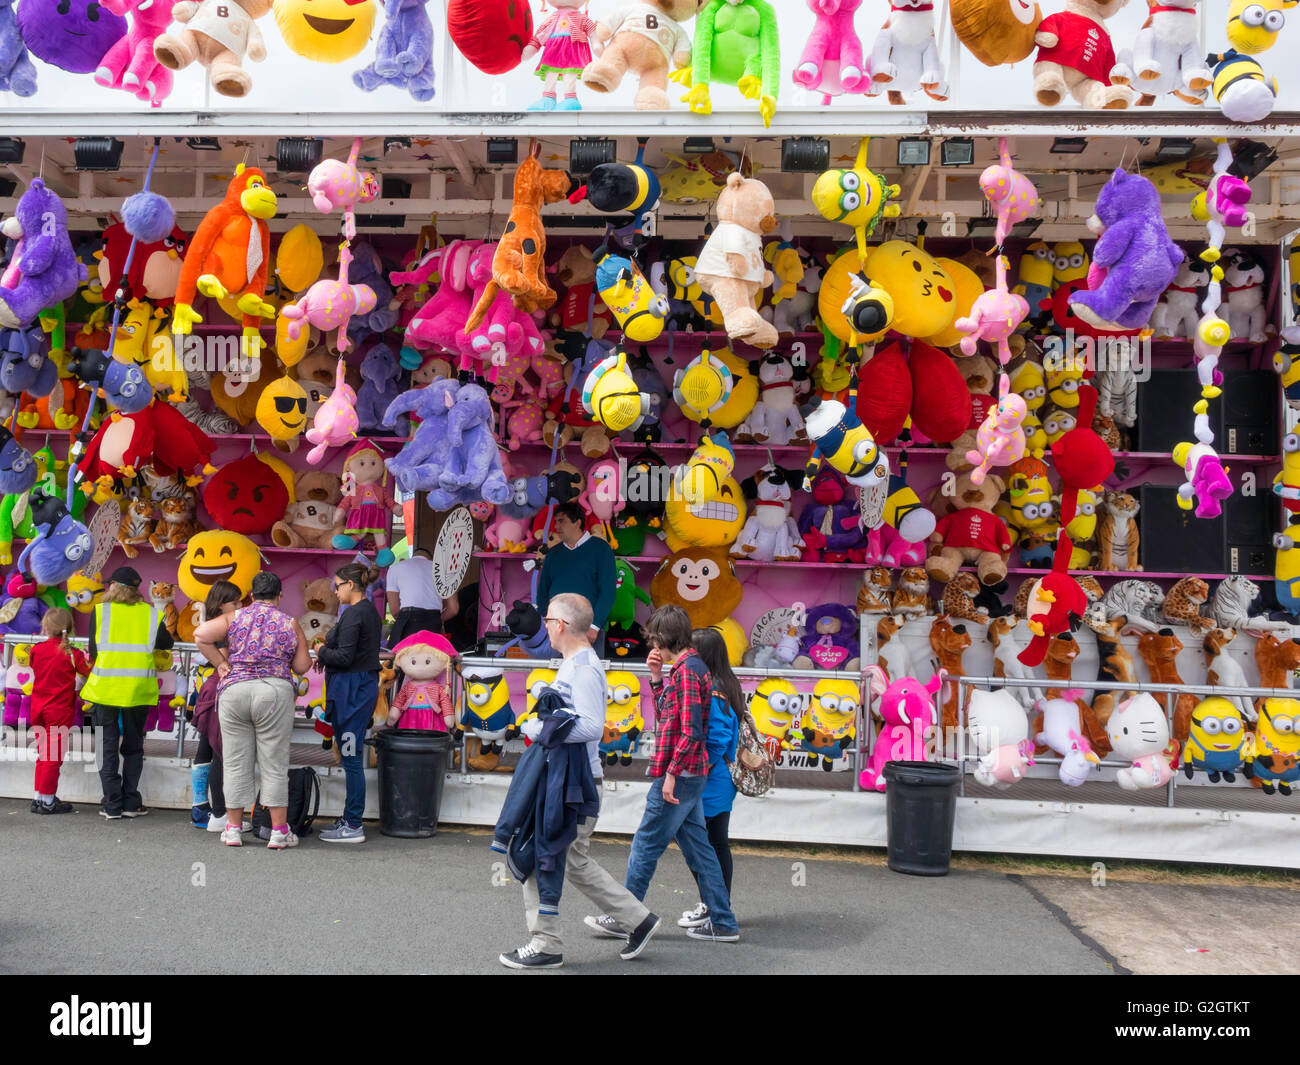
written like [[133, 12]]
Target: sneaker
[[232, 836], [142, 812], [218, 824], [606, 926], [36, 803], [55, 807], [344, 833], [201, 815], [707, 931], [111, 817], [529, 958], [281, 840], [694, 918], [637, 941]]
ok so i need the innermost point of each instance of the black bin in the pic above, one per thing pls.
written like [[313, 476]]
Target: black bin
[[920, 807], [412, 769]]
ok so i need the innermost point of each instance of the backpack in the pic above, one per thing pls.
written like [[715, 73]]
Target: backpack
[[304, 805], [752, 770]]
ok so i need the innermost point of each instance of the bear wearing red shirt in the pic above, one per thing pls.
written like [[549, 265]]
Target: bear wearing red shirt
[[1075, 55], [969, 533]]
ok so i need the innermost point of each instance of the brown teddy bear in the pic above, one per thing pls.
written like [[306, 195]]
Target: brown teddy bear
[[731, 267], [648, 40], [1075, 56], [218, 34], [309, 520], [320, 609], [981, 373], [968, 532]]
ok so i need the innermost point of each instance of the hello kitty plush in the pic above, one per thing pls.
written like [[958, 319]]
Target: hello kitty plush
[[1139, 730], [424, 701], [999, 732], [365, 509]]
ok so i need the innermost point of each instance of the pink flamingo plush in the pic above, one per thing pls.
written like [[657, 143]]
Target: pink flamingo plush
[[338, 185], [130, 64], [336, 420], [1012, 195], [994, 316], [907, 707], [1000, 440], [330, 304], [832, 60]]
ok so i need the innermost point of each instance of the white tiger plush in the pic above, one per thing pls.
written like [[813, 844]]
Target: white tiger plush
[[1138, 601], [1231, 606], [212, 422]]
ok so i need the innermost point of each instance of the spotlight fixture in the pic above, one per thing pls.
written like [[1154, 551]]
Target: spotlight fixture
[[501, 150], [392, 143], [97, 153], [913, 151], [699, 146], [381, 221], [805, 155], [203, 144], [11, 150], [982, 226], [394, 188], [1173, 149], [297, 155], [587, 153], [957, 151], [1068, 145], [1250, 159], [1026, 228]]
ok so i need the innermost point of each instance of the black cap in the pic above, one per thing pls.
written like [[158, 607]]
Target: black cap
[[125, 575]]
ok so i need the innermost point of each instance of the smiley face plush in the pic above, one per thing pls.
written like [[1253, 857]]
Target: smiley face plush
[[716, 523], [702, 581], [246, 496], [217, 555], [325, 31], [282, 409], [924, 293], [72, 34]]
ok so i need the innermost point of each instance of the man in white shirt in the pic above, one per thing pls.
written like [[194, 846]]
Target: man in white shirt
[[581, 681], [413, 598]]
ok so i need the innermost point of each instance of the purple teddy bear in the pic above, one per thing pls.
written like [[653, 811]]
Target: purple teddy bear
[[44, 269], [404, 54], [1134, 260]]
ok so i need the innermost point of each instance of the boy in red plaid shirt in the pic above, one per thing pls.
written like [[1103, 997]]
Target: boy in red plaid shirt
[[679, 770]]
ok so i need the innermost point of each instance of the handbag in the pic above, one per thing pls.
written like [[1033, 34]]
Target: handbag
[[752, 770]]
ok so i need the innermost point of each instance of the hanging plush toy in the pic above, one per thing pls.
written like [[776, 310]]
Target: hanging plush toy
[[338, 185], [61, 545], [403, 53], [74, 37], [131, 64], [858, 197], [17, 71], [731, 268], [218, 34], [703, 387], [906, 56], [645, 39], [366, 509], [1012, 196], [994, 32], [737, 42], [1241, 88], [1076, 56], [282, 410], [245, 496], [325, 31], [43, 269], [841, 440], [709, 468], [329, 305], [832, 61], [155, 266], [611, 396], [999, 735], [491, 34], [1167, 56], [564, 39], [336, 421]]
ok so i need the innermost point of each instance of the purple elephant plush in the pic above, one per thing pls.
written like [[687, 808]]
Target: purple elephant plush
[[381, 383], [17, 72], [1134, 260], [473, 471], [404, 52], [44, 269]]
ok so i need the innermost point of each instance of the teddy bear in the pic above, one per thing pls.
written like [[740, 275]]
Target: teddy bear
[[830, 639], [981, 374], [218, 34], [731, 268], [43, 269], [1075, 55], [320, 609], [309, 520], [648, 40], [970, 533]]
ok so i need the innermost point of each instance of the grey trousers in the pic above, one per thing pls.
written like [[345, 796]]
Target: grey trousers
[[606, 894], [256, 730]]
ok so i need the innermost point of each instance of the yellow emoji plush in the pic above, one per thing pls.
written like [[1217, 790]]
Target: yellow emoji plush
[[325, 31], [299, 259], [282, 409], [716, 523], [924, 293], [214, 556]]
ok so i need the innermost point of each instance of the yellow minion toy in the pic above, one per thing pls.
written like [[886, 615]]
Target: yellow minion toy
[[1063, 386], [774, 706], [1030, 384], [610, 395], [858, 197], [1273, 756], [1253, 25], [1035, 276], [84, 591], [534, 683], [638, 308], [831, 721], [623, 720], [840, 439], [1069, 263], [1216, 740]]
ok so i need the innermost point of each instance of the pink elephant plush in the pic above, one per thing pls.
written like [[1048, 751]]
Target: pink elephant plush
[[504, 330], [440, 322], [907, 708]]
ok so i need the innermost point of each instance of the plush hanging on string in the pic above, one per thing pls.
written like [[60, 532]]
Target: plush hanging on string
[[832, 62], [44, 268], [857, 196], [131, 64]]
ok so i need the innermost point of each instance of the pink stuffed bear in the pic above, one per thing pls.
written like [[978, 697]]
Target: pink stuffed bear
[[907, 708], [130, 64], [832, 60]]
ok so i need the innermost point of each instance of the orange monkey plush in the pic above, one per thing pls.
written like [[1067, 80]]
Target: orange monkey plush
[[519, 265], [229, 252]]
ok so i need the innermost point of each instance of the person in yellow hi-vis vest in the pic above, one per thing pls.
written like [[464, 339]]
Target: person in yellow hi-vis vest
[[123, 687]]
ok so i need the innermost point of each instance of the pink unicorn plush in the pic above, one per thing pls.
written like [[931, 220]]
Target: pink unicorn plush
[[330, 304], [907, 707], [130, 64], [336, 420], [336, 185], [832, 60], [1000, 440], [1012, 195]]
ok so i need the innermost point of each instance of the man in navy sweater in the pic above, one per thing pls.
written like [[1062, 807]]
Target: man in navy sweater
[[581, 565]]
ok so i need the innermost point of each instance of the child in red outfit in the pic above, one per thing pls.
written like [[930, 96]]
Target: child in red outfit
[[54, 705]]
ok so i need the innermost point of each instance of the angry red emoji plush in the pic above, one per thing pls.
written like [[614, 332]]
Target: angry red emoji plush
[[246, 496]]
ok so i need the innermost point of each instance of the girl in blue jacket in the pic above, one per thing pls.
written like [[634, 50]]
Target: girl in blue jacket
[[720, 741]]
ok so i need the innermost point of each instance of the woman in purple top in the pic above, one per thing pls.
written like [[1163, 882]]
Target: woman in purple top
[[264, 647]]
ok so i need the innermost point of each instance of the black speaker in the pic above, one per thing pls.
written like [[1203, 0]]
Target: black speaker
[[1165, 411], [1177, 541], [1249, 414]]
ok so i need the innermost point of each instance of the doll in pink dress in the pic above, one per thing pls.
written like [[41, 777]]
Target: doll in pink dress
[[424, 701], [366, 509], [564, 39]]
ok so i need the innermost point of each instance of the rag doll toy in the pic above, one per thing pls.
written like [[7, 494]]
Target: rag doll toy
[[424, 701], [403, 53], [336, 422], [905, 58], [43, 268], [1075, 56], [17, 72], [646, 39], [131, 64], [74, 37], [737, 42], [563, 39], [367, 504], [832, 61], [218, 34]]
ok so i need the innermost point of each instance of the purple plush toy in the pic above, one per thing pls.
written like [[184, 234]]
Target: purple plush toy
[[17, 72], [74, 36], [44, 269], [830, 639], [831, 524], [381, 383], [404, 53], [1134, 260]]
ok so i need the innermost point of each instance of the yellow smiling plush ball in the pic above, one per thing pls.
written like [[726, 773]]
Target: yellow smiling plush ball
[[282, 409], [969, 288], [217, 555], [716, 523], [924, 293], [325, 31]]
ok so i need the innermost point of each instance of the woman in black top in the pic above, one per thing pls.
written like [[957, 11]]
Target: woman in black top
[[350, 657]]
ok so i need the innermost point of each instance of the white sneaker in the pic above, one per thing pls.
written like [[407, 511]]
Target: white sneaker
[[281, 840], [605, 925], [694, 918], [218, 824], [232, 836]]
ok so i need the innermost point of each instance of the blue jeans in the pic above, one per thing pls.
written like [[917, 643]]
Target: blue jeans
[[663, 822], [349, 707]]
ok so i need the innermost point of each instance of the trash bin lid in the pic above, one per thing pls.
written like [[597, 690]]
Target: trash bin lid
[[922, 774], [411, 740]]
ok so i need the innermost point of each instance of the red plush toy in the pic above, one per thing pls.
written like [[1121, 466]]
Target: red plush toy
[[155, 268], [927, 385], [491, 34], [246, 496], [158, 436]]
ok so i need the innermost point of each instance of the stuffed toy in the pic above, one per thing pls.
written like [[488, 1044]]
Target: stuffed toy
[[363, 513], [1139, 733], [299, 259], [1273, 757], [423, 702], [159, 436], [1244, 276], [1207, 483], [327, 32], [770, 534], [440, 322], [651, 385], [217, 555], [774, 707], [626, 596], [228, 256], [858, 197], [18, 470], [981, 375], [709, 467], [155, 266], [730, 267], [1166, 57], [1062, 731], [309, 518], [830, 639], [1012, 196], [17, 72], [74, 38], [638, 309], [505, 332], [282, 411], [645, 480], [403, 53], [906, 708], [623, 719], [23, 607], [928, 385], [646, 39], [61, 545], [336, 422], [1176, 315], [519, 263], [491, 34], [1075, 56], [841, 441], [1000, 440], [796, 313], [381, 384], [1217, 740], [330, 304], [175, 522], [245, 496], [703, 582], [43, 268], [999, 735], [829, 722], [563, 40], [137, 526], [218, 34], [737, 42], [1240, 87], [603, 497], [830, 525], [19, 682], [971, 533], [994, 318], [25, 364], [715, 389], [968, 287], [906, 57], [473, 469], [511, 528], [131, 64], [775, 419], [832, 61], [338, 185], [428, 451], [368, 268], [994, 32]]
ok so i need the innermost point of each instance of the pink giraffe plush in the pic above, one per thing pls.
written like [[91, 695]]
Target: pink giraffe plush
[[1012, 195], [330, 304], [832, 60], [994, 316], [130, 64], [336, 420], [440, 323], [1000, 440], [337, 185], [524, 425], [504, 330], [907, 707]]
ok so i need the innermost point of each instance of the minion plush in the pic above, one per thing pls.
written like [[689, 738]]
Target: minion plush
[[1286, 567], [1253, 25], [1069, 263], [623, 720], [84, 591], [1083, 529], [1035, 276], [703, 387], [1057, 423], [487, 714], [534, 684], [774, 706], [1240, 87], [841, 440], [637, 307], [686, 289], [1287, 483], [1063, 386], [1286, 361], [610, 395], [858, 197], [831, 721], [1216, 740], [1030, 384], [1273, 756], [1035, 435]]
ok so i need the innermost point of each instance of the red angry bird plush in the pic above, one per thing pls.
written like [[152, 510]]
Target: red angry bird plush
[[158, 436], [155, 268], [246, 496]]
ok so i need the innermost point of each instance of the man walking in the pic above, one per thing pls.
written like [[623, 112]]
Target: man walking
[[583, 565], [680, 769], [581, 681]]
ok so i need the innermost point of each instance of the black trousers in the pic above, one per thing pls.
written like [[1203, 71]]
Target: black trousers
[[216, 778], [121, 790], [719, 832], [413, 619]]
